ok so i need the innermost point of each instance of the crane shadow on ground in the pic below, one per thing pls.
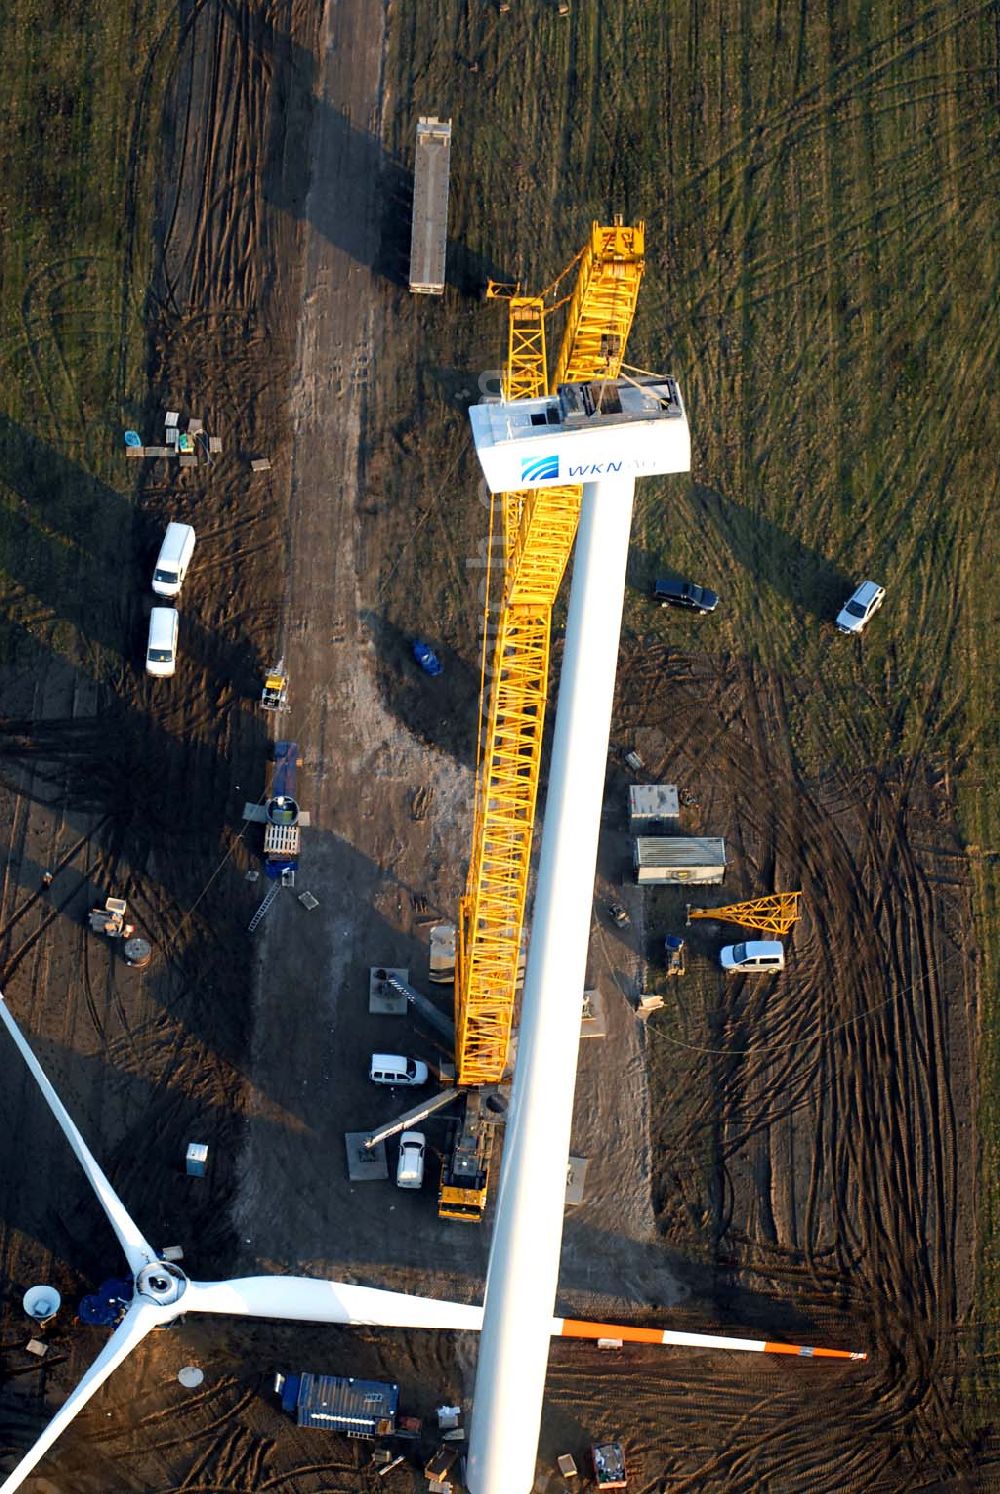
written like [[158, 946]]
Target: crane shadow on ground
[[771, 555], [776, 560], [439, 710]]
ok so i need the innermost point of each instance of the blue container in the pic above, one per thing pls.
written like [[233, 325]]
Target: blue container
[[359, 1408]]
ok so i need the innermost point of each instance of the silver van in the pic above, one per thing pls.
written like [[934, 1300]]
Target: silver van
[[393, 1068], [161, 650], [173, 560], [752, 955]]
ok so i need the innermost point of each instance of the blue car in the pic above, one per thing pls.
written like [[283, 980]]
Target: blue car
[[426, 658]]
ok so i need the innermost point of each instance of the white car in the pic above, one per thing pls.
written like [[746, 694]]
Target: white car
[[859, 609], [410, 1167], [753, 955]]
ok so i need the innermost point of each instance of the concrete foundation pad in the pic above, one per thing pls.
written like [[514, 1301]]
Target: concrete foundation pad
[[364, 1166], [576, 1177], [382, 1001], [594, 1023]]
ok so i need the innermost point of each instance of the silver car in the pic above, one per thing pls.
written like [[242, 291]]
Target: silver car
[[860, 608], [410, 1167], [752, 955]]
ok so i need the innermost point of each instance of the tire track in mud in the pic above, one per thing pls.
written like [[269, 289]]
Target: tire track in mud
[[827, 1125], [141, 123], [220, 256]]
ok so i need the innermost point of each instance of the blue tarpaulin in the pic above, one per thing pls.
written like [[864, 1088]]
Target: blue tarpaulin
[[106, 1305]]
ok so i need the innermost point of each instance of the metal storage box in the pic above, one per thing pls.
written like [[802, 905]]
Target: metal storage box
[[652, 806]]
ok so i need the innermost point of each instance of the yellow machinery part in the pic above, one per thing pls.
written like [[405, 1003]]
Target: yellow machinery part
[[539, 530], [492, 910], [774, 914], [491, 914], [525, 373], [465, 1175], [602, 306], [464, 1204]]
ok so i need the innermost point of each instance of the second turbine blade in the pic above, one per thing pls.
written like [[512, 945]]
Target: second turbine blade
[[138, 1251]]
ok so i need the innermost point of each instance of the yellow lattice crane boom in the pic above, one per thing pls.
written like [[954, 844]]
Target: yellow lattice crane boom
[[768, 915], [539, 527], [602, 305]]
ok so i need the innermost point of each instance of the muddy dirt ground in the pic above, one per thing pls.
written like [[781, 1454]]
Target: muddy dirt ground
[[793, 1160]]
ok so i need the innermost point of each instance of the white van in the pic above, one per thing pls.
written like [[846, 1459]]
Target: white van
[[161, 650], [173, 560], [392, 1068], [410, 1167], [752, 955]]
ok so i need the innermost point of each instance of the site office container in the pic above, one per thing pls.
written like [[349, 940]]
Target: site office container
[[653, 808], [679, 859]]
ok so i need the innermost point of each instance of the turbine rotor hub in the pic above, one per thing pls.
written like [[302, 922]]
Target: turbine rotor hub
[[161, 1282]]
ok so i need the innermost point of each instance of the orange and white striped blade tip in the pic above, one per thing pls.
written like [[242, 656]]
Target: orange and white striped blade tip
[[578, 1328]]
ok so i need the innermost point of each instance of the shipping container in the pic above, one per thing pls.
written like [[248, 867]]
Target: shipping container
[[678, 858]]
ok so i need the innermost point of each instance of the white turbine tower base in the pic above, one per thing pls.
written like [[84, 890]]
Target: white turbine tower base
[[524, 1258]]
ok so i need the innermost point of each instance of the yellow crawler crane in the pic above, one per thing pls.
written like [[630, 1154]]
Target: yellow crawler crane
[[539, 527], [768, 915]]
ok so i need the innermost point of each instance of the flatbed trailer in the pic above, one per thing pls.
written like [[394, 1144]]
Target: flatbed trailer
[[429, 229], [283, 819]]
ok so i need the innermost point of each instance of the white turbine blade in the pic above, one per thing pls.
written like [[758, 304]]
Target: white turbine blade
[[138, 1251], [305, 1300], [140, 1319]]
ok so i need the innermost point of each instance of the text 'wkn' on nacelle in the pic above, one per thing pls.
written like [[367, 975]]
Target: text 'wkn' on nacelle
[[583, 433]]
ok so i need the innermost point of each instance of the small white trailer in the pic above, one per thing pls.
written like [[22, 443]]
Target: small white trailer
[[679, 859]]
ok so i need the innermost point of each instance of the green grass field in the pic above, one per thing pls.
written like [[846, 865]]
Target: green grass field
[[79, 118]]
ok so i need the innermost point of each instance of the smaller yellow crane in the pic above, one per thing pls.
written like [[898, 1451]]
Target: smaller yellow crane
[[769, 915]]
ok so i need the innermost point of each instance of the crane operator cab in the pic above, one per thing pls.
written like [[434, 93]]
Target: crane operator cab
[[601, 429]]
